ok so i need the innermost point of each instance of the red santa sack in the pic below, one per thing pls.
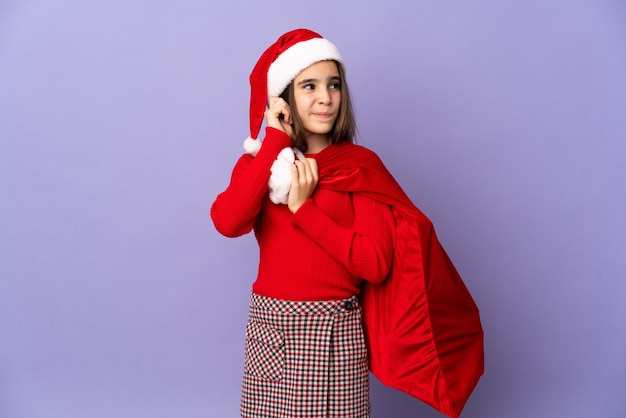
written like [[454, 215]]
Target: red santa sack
[[422, 326]]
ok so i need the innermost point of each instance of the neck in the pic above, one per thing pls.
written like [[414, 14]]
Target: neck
[[316, 143]]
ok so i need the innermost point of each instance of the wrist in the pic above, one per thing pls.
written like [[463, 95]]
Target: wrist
[[294, 207], [274, 141]]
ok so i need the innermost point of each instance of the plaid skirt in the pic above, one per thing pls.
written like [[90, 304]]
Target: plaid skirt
[[305, 359]]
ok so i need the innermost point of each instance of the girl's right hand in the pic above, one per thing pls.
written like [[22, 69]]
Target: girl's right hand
[[278, 116], [304, 178]]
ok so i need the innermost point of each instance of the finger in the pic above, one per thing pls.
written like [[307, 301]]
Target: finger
[[301, 172], [280, 109], [306, 172], [311, 170], [278, 115], [286, 112], [276, 101], [287, 116], [314, 167], [295, 176]]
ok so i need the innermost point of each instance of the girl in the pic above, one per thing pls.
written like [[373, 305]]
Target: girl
[[328, 218]]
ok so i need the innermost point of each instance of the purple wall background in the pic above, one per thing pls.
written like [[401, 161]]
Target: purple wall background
[[120, 122]]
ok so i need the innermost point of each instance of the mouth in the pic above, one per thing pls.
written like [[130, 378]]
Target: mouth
[[323, 115]]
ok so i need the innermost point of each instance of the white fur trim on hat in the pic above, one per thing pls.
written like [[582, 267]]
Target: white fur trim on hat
[[252, 146], [300, 56]]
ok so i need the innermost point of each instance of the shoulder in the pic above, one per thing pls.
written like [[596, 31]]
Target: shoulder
[[349, 156], [364, 156], [242, 163], [244, 160], [348, 149]]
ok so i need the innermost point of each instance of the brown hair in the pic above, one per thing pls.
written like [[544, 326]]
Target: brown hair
[[345, 125]]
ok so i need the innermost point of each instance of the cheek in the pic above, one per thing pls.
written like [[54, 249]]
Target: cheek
[[302, 100], [335, 97], [301, 114], [303, 103]]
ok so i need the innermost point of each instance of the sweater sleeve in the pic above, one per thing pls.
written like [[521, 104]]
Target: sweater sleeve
[[366, 249], [235, 209]]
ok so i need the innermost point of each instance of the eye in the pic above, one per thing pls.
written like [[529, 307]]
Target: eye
[[308, 86], [335, 86]]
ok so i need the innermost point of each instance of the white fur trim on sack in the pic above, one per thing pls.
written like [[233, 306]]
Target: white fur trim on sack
[[280, 177]]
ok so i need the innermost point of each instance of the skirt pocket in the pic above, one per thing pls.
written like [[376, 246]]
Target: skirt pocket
[[265, 351]]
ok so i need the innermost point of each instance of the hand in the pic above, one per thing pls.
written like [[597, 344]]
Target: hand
[[278, 116], [304, 178]]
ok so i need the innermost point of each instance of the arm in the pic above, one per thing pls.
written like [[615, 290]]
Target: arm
[[366, 249], [235, 209]]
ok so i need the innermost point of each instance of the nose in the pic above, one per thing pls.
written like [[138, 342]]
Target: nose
[[324, 96]]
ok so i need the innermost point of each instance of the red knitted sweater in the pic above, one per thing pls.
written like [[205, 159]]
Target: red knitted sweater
[[324, 250]]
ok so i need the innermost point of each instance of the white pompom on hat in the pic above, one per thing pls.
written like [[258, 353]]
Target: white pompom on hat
[[277, 67]]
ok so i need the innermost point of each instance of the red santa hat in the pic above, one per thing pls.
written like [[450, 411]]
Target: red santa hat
[[278, 66]]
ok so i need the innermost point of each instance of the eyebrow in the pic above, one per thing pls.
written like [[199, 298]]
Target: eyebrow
[[313, 80]]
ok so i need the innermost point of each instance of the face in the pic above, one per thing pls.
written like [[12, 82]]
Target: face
[[317, 95]]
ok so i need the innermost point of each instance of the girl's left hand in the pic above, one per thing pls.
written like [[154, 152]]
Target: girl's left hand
[[304, 178]]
